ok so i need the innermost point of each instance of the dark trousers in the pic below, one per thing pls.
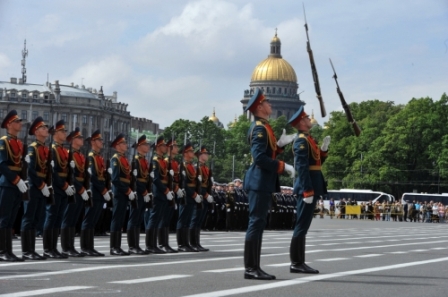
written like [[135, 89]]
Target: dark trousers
[[118, 212], [259, 205], [304, 217], [10, 199], [92, 214], [34, 211], [72, 213], [154, 215], [185, 214], [136, 214], [166, 218], [53, 217], [199, 215]]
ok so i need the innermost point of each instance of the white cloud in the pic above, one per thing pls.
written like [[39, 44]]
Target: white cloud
[[4, 61]]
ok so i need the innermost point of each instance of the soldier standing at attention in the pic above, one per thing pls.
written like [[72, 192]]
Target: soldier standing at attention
[[199, 215], [164, 225], [61, 190], [261, 180], [161, 194], [186, 209], [121, 180], [11, 185], [34, 208], [136, 214], [97, 171], [73, 210], [309, 185]]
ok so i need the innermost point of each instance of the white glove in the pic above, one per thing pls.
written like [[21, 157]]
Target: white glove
[[179, 193], [151, 174], [222, 207], [308, 200], [106, 196], [22, 186], [109, 170], [198, 198], [172, 172], [290, 170], [175, 206], [27, 158], [169, 196], [210, 199], [131, 196], [285, 139], [325, 143], [52, 163], [185, 193], [146, 198], [183, 173], [89, 171], [85, 196], [69, 191], [45, 191], [200, 178], [134, 172], [72, 164], [212, 179]]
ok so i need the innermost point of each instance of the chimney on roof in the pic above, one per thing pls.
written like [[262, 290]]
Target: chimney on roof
[[72, 84], [20, 81], [13, 80]]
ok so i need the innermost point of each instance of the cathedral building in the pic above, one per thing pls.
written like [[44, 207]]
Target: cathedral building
[[278, 80]]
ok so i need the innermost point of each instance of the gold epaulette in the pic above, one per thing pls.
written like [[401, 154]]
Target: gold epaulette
[[91, 154], [115, 156], [154, 158], [33, 144], [259, 123], [301, 135], [136, 157]]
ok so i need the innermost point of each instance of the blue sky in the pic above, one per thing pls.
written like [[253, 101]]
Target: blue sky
[[180, 59]]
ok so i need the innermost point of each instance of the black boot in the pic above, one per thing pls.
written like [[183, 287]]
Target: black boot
[[181, 246], [192, 239], [4, 238], [86, 249], [151, 242], [251, 262], [9, 247], [48, 244], [91, 238], [133, 242], [137, 241], [198, 241], [297, 255], [73, 251], [189, 240], [161, 238], [55, 244], [168, 249], [28, 239], [258, 262], [115, 244]]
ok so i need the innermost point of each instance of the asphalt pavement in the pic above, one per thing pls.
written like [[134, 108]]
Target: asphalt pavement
[[355, 258]]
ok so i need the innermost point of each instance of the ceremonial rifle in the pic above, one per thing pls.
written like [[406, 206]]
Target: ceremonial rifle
[[70, 179], [108, 180], [182, 169], [149, 181], [49, 174], [170, 178], [313, 69], [347, 110], [24, 172], [198, 183], [86, 182], [134, 166]]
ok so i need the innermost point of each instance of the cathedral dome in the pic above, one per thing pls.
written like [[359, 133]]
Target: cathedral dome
[[213, 118], [274, 68]]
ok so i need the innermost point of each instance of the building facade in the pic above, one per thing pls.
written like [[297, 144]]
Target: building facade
[[278, 80]]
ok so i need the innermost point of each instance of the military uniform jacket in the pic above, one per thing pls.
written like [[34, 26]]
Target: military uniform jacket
[[205, 173], [160, 182], [60, 169], [10, 161], [121, 175], [142, 174], [230, 201], [262, 175], [80, 165], [97, 169], [308, 160], [37, 168], [176, 178], [190, 189]]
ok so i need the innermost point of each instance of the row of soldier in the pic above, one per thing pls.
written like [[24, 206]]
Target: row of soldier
[[62, 184]]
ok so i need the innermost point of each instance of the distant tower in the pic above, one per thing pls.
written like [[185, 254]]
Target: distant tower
[[24, 55]]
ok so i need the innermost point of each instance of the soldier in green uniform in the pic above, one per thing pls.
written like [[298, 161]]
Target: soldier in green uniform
[[309, 185], [11, 185], [261, 180]]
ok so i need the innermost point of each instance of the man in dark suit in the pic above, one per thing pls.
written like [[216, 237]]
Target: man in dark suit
[[309, 185], [261, 180]]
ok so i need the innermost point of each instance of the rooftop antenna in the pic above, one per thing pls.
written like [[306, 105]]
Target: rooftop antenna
[[24, 55]]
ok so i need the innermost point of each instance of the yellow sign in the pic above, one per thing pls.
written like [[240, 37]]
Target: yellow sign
[[353, 209]]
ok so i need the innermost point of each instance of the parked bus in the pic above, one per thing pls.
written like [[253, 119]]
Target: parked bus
[[409, 197]]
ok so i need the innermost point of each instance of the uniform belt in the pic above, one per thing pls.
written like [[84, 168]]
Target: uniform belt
[[125, 180], [101, 178], [62, 174], [40, 174], [191, 185], [142, 180], [15, 168], [315, 167], [80, 179], [165, 182], [205, 187]]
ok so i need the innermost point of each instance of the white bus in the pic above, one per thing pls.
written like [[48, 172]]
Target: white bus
[[409, 197]]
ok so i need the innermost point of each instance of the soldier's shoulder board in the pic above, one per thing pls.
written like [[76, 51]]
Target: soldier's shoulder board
[[301, 135], [259, 123], [91, 154]]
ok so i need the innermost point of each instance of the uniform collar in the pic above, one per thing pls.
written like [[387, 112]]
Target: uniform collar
[[56, 143], [304, 132], [40, 143], [263, 120], [12, 136]]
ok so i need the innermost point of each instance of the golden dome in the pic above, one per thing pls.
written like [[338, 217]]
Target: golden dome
[[275, 39], [213, 118], [274, 68], [313, 120]]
